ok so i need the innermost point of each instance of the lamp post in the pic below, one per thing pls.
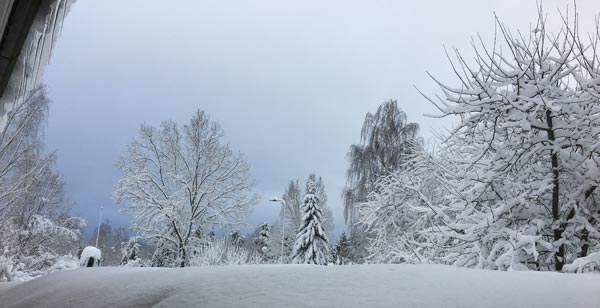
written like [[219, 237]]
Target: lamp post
[[283, 205], [99, 223]]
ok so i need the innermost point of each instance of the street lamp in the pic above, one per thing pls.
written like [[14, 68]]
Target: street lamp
[[283, 205], [99, 223]]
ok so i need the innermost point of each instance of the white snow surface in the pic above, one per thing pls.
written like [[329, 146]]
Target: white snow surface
[[304, 286]]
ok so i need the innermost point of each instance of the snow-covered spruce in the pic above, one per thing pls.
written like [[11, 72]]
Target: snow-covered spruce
[[294, 201], [130, 253], [342, 250], [261, 242], [312, 244]]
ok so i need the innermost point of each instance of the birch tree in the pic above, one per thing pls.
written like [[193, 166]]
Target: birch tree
[[36, 230], [386, 139], [179, 182], [21, 160]]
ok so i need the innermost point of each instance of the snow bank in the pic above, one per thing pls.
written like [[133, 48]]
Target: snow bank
[[591, 262], [16, 271], [304, 286], [67, 262]]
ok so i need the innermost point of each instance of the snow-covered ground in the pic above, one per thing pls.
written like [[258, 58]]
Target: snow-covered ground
[[304, 286]]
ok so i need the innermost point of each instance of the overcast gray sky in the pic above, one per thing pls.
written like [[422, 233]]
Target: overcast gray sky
[[289, 81]]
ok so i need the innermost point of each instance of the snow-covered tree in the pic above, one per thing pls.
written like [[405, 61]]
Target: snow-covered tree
[[312, 244], [211, 236], [38, 248], [530, 117], [320, 192], [293, 197], [343, 250], [514, 186], [261, 242], [385, 139], [293, 217], [288, 243], [237, 238], [36, 231], [28, 184], [179, 182], [163, 255], [293, 200], [224, 251], [130, 253], [405, 214]]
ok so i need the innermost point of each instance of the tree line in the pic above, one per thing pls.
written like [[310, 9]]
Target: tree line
[[511, 186], [182, 185]]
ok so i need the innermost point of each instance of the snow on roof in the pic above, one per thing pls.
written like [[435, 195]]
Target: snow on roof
[[304, 286]]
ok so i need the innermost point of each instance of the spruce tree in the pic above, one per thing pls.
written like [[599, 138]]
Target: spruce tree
[[262, 241], [237, 239], [312, 245], [130, 251], [343, 250]]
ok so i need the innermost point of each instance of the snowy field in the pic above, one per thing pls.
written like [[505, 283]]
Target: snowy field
[[303, 286]]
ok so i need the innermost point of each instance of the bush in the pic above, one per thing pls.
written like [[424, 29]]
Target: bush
[[223, 252]]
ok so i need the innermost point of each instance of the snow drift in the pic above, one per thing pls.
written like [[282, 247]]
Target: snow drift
[[303, 286]]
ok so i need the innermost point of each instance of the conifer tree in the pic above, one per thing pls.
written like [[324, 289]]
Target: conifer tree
[[262, 241], [130, 251], [343, 250], [312, 245]]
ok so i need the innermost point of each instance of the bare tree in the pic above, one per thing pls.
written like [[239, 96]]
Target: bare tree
[[179, 182]]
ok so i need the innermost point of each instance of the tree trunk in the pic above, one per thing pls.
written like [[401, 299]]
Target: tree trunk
[[559, 257], [586, 246], [183, 254]]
